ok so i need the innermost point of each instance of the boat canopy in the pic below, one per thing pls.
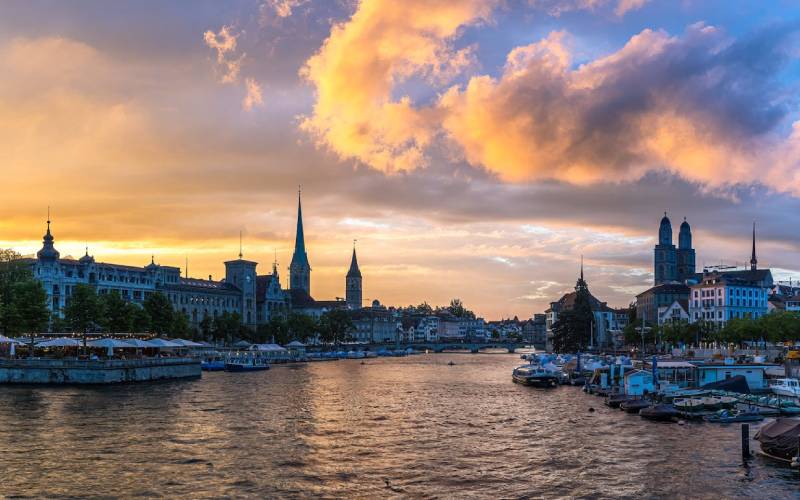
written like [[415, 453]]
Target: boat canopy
[[780, 437]]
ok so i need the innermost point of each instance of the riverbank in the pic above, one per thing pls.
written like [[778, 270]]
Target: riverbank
[[95, 372]]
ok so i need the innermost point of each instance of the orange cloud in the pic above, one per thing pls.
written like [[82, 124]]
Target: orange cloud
[[361, 62]]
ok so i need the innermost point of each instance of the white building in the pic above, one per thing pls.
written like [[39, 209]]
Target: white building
[[724, 295]]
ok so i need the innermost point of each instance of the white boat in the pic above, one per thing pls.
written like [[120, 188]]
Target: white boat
[[786, 387]]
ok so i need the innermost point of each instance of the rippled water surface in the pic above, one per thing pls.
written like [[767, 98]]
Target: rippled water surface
[[405, 427]]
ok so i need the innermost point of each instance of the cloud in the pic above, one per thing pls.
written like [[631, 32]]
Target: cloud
[[281, 8], [625, 6], [356, 70], [253, 97], [702, 105], [224, 43]]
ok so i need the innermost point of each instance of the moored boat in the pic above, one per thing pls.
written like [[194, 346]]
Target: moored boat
[[212, 365], [246, 364], [634, 405], [615, 400], [779, 439], [535, 376], [729, 417], [689, 404], [786, 387], [711, 403], [661, 413]]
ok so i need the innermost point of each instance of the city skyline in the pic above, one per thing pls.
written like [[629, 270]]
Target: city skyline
[[172, 141]]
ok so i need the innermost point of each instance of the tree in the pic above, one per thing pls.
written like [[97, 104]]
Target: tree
[[573, 329], [335, 326], [27, 311], [424, 308], [179, 327], [206, 326], [276, 330], [12, 271], [84, 311], [118, 313], [302, 326], [140, 320], [161, 314], [226, 326], [457, 309]]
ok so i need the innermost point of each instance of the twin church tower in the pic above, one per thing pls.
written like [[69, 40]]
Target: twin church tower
[[300, 269], [674, 264]]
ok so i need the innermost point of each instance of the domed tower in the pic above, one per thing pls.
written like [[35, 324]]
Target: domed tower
[[686, 255], [665, 265], [353, 293], [48, 253]]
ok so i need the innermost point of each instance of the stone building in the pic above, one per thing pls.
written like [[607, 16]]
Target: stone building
[[673, 265]]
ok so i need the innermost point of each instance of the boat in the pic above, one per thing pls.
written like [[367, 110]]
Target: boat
[[534, 375], [786, 387], [779, 439], [711, 403], [728, 401], [246, 364], [634, 405], [212, 364], [615, 400], [670, 396], [729, 417], [689, 404], [661, 413]]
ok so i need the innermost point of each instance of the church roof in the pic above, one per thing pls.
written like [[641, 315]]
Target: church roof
[[354, 271], [299, 257], [262, 284], [666, 288]]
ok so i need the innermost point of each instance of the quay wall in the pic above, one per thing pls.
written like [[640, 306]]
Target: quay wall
[[72, 371]]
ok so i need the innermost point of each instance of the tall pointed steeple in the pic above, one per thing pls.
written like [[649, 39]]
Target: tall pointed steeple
[[353, 286], [581, 267], [299, 268], [753, 260], [48, 251]]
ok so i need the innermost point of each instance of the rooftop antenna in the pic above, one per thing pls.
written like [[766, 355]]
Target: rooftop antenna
[[186, 271]]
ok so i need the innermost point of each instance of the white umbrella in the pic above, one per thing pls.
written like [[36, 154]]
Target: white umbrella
[[59, 342], [162, 343], [6, 340], [140, 344], [186, 343], [110, 344]]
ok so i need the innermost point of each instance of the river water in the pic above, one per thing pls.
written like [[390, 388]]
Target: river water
[[398, 427]]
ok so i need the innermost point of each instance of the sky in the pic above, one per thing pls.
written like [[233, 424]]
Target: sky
[[475, 149]]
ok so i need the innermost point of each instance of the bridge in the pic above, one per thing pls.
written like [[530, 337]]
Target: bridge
[[473, 347]]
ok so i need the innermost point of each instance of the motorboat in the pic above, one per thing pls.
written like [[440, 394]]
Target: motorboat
[[246, 363], [779, 439], [711, 403], [534, 375], [728, 401], [661, 413], [689, 404], [616, 400], [214, 364], [634, 405], [786, 387], [732, 416]]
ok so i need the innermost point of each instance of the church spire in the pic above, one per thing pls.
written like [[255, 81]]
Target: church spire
[[581, 267], [354, 270], [299, 268], [753, 260]]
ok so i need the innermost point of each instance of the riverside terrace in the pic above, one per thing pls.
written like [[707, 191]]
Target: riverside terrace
[[473, 347]]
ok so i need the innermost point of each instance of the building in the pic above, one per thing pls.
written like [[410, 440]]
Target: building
[[606, 319], [671, 264], [376, 324], [352, 292], [654, 301], [535, 330], [196, 298], [270, 298], [676, 312], [723, 294]]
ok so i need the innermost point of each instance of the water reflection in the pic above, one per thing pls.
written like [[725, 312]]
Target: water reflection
[[408, 427]]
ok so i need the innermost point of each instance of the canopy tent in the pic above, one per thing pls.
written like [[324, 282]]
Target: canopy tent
[[162, 343], [110, 343], [295, 343], [7, 340], [187, 343], [242, 343], [267, 347], [139, 344], [59, 342]]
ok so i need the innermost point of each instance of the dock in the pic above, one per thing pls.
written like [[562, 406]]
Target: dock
[[102, 371]]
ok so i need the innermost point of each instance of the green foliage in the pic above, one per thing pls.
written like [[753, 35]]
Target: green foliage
[[277, 330], [84, 310], [118, 314], [26, 311], [226, 326], [572, 330], [677, 332], [302, 326], [457, 309], [161, 314], [12, 271], [335, 326]]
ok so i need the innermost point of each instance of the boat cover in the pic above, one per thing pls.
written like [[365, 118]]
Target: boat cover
[[733, 384], [780, 438]]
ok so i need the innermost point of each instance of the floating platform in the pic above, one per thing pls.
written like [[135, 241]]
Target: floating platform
[[111, 371]]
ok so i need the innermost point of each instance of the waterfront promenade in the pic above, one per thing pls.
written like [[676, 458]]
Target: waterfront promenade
[[101, 371]]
